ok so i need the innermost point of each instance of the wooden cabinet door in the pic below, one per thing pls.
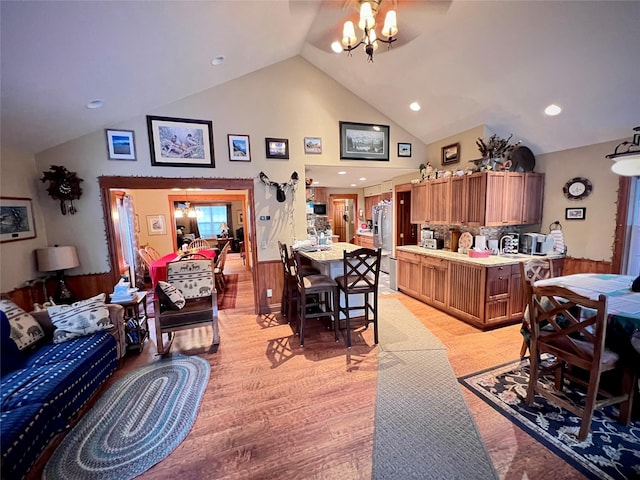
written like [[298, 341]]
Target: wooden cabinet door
[[497, 293], [516, 294], [419, 203], [513, 198], [440, 293], [439, 201], [476, 199], [495, 199], [409, 274], [426, 284], [459, 200], [533, 198], [369, 203], [320, 195], [466, 291]]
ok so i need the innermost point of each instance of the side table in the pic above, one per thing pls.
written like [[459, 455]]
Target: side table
[[136, 326]]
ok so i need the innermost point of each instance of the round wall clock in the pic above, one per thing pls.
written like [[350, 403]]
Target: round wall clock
[[577, 188]]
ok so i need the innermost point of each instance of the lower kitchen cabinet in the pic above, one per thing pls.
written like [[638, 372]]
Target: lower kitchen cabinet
[[484, 296], [364, 241]]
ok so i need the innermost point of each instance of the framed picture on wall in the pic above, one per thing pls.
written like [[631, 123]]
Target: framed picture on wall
[[277, 148], [404, 149], [312, 145], [363, 141], [180, 142], [120, 144], [16, 215], [156, 225], [575, 213], [239, 150], [240, 218], [451, 154]]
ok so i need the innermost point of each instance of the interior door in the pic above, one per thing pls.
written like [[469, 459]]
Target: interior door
[[339, 224], [406, 232]]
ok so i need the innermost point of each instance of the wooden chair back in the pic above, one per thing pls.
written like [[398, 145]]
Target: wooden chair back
[[361, 270], [530, 272], [146, 257], [572, 328], [192, 276], [155, 255], [199, 244]]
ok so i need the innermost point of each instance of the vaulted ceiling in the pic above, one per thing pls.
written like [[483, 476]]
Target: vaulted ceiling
[[468, 63]]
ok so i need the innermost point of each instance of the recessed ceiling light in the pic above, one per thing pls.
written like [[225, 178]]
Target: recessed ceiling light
[[353, 184], [362, 179], [316, 182], [336, 47], [217, 60], [552, 110], [342, 173], [415, 106], [93, 104]]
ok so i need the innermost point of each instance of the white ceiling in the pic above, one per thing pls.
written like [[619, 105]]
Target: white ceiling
[[467, 62]]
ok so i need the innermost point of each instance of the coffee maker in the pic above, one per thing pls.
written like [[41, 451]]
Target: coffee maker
[[536, 244]]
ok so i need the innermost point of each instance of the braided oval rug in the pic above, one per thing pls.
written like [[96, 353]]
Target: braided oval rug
[[136, 423]]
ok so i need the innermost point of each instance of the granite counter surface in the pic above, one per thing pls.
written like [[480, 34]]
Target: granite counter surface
[[490, 261]]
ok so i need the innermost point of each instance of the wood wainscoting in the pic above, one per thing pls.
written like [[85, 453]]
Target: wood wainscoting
[[269, 276], [585, 265], [82, 286]]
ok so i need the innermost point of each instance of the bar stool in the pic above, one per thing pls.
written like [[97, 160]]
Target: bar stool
[[361, 272], [317, 298], [289, 286]]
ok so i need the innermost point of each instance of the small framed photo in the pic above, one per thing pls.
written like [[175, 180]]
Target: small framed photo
[[239, 150], [277, 148], [180, 142], [240, 218], [16, 219], [575, 213], [404, 149], [121, 145], [312, 145], [364, 141], [451, 154], [156, 225]]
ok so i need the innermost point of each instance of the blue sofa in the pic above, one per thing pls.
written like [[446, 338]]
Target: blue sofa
[[43, 396]]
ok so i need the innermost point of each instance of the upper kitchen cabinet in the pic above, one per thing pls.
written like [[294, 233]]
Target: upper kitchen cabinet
[[317, 195], [480, 199]]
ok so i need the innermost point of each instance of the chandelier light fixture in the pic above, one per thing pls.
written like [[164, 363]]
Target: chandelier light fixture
[[367, 23], [187, 210], [626, 157]]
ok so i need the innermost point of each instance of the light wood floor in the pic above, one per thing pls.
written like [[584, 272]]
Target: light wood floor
[[274, 410]]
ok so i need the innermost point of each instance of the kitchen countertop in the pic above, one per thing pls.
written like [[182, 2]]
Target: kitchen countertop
[[365, 233], [332, 254], [490, 261]]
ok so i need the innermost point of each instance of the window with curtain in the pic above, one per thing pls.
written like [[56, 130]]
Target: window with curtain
[[211, 218]]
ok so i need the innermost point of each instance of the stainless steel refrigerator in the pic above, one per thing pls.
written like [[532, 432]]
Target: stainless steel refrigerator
[[382, 232]]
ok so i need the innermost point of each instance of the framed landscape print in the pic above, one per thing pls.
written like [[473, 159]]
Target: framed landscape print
[[239, 148], [277, 148], [156, 225], [180, 142], [312, 145], [16, 219], [362, 141], [575, 213], [451, 154], [404, 149], [120, 144]]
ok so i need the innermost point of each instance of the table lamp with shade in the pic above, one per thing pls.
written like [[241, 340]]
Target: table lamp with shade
[[224, 230], [58, 259]]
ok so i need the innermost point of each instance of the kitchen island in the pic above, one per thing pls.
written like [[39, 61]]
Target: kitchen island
[[485, 292]]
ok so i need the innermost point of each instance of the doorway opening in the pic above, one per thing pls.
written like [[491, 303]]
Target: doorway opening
[[342, 212], [224, 189]]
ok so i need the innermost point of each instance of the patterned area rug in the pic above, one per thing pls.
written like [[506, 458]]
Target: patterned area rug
[[611, 451], [423, 428], [138, 421], [227, 299]]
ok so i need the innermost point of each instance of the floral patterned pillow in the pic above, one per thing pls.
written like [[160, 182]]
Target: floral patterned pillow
[[80, 318], [25, 330]]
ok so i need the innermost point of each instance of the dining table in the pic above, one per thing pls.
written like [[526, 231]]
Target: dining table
[[158, 268], [623, 308]]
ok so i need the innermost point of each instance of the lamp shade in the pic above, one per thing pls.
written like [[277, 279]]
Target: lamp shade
[[52, 259], [627, 166]]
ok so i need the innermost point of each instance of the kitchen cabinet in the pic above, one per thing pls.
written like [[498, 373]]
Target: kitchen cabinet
[[533, 198], [420, 203], [439, 201], [408, 273], [468, 199], [434, 285], [505, 196], [504, 295], [466, 291], [369, 203], [364, 241], [317, 195], [372, 190]]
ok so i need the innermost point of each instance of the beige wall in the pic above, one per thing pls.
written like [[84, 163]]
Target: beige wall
[[593, 237], [290, 100], [20, 178]]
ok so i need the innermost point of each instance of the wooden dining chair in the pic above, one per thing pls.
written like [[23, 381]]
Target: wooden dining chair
[[193, 278], [575, 333], [361, 271], [532, 271], [155, 255], [289, 299], [219, 267], [199, 244], [147, 260]]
